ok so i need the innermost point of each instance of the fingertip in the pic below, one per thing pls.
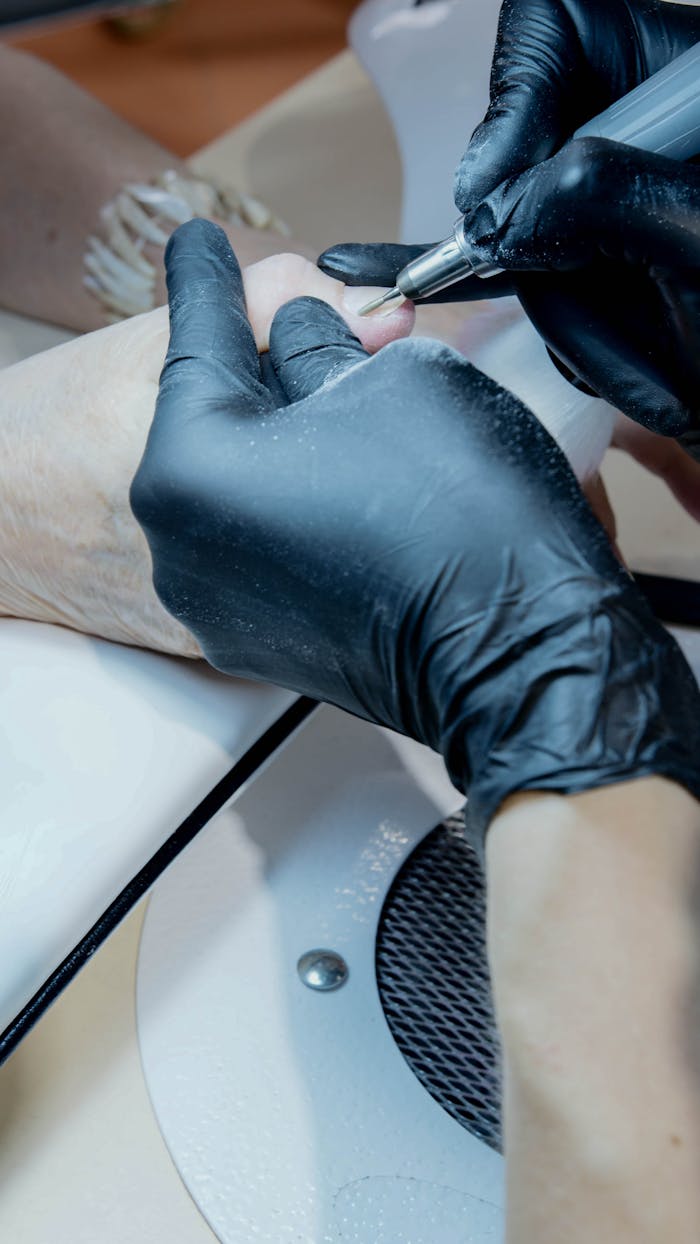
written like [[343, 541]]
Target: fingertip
[[198, 230], [194, 246], [340, 261], [199, 251], [368, 263]]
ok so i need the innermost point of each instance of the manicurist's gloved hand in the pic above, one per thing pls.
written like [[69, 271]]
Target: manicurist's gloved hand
[[401, 538], [602, 241]]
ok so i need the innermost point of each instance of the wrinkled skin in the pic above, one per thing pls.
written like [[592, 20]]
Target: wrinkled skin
[[73, 424], [401, 537], [600, 242]]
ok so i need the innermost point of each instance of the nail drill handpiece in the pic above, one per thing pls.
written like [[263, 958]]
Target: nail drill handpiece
[[661, 115]]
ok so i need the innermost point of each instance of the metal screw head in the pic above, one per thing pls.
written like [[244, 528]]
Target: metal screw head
[[323, 970]]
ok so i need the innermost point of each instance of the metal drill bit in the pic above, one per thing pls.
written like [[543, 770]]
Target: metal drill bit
[[392, 295]]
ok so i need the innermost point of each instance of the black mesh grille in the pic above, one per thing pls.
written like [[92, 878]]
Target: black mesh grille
[[434, 982]]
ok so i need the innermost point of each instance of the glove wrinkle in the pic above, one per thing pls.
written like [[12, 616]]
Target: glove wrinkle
[[616, 229], [409, 544]]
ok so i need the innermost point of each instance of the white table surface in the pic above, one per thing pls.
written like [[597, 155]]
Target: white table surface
[[106, 750]]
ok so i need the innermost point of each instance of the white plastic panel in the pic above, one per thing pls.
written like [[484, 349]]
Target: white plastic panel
[[689, 641], [431, 66], [105, 750], [290, 1114]]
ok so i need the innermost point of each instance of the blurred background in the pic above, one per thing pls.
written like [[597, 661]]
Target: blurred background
[[183, 71]]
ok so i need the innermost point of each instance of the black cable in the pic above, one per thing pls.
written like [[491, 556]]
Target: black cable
[[676, 601], [232, 782]]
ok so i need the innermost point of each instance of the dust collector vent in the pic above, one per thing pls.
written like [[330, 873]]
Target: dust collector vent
[[433, 978]]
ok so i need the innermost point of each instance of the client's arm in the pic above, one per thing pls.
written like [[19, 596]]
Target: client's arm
[[73, 425], [65, 156], [594, 936]]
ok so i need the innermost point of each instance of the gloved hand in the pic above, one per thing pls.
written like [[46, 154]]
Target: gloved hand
[[402, 539], [602, 241]]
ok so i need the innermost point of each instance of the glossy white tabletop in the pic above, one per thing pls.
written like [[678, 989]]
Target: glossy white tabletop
[[105, 751]]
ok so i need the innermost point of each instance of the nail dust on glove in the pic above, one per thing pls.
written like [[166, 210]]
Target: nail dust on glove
[[402, 539], [603, 247]]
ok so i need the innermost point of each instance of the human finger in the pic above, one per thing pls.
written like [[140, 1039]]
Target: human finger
[[282, 278]]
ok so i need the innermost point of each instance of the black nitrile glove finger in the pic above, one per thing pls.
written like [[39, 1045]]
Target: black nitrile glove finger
[[617, 233], [405, 541], [377, 263], [311, 344], [557, 64], [206, 328]]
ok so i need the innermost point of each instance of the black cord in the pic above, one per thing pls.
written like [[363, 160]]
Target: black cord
[[676, 601], [232, 782]]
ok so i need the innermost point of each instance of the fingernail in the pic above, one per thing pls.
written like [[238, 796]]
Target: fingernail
[[357, 296]]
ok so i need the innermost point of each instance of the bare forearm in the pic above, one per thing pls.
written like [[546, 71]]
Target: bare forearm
[[594, 954], [65, 155]]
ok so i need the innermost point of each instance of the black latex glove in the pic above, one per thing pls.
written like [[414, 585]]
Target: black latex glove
[[618, 232], [377, 263], [614, 233], [404, 540]]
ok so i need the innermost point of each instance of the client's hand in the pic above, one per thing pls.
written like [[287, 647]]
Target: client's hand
[[404, 540], [73, 424]]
